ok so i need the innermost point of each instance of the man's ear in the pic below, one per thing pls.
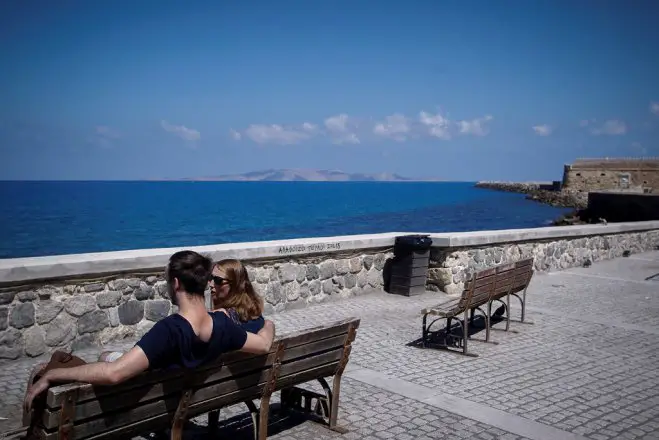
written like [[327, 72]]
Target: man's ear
[[177, 285]]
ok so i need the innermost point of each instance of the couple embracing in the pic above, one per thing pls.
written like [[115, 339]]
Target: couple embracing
[[187, 339]]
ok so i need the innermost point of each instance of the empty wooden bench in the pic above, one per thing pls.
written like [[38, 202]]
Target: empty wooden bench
[[159, 400], [482, 289]]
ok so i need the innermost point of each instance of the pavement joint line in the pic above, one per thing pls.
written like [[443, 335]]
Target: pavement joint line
[[462, 407], [606, 322], [643, 259], [604, 277]]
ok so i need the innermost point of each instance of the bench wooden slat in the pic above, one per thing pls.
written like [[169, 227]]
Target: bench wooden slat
[[56, 394], [302, 337], [305, 376], [311, 362], [108, 404], [130, 430], [116, 420], [291, 354]]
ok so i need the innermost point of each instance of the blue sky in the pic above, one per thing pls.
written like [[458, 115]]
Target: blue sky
[[460, 90]]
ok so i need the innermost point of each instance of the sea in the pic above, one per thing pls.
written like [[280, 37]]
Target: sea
[[66, 217]]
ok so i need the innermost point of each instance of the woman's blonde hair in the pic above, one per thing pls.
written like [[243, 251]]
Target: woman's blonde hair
[[242, 297]]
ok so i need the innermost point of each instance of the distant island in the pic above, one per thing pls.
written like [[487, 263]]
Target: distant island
[[306, 175]]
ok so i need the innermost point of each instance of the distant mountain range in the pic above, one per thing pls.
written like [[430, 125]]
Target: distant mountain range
[[306, 175]]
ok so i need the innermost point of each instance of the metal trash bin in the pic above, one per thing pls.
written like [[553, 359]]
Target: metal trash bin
[[409, 267]]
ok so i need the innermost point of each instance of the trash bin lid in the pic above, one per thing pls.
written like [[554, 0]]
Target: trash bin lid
[[414, 241]]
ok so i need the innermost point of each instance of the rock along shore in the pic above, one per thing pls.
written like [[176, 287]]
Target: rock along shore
[[536, 191]]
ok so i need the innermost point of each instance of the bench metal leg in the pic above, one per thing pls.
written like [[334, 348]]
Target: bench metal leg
[[486, 316], [522, 301], [424, 331], [506, 305], [508, 312], [256, 414], [465, 332], [325, 406], [456, 341]]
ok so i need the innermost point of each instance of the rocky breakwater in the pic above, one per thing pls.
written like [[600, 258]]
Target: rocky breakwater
[[69, 315], [540, 192]]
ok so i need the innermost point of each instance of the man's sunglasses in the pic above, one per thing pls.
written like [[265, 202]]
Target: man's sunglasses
[[218, 280]]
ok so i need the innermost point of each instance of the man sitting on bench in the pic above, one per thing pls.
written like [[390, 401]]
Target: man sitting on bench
[[187, 339]]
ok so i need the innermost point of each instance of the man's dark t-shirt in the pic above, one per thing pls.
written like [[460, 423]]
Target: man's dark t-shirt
[[172, 342]]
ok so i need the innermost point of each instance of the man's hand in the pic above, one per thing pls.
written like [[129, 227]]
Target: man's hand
[[100, 373], [34, 390]]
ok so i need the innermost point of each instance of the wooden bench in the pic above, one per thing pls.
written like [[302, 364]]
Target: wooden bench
[[158, 400], [483, 288]]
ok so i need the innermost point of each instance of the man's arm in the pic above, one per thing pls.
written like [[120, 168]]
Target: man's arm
[[261, 342], [99, 373], [104, 373]]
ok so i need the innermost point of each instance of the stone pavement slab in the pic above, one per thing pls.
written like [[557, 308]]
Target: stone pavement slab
[[586, 368]]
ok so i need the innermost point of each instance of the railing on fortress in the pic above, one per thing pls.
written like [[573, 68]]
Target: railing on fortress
[[616, 163], [617, 159]]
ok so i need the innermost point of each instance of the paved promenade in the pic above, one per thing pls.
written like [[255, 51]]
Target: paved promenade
[[587, 369]]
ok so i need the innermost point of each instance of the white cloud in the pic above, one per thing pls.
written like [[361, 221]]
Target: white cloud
[[274, 133], [309, 127], [477, 126], [107, 132], [654, 108], [396, 127], [344, 129], [542, 130], [584, 123], [104, 136], [437, 125], [235, 135], [181, 131], [341, 129], [612, 127]]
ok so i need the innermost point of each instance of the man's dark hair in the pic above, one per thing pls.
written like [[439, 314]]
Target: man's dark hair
[[192, 270]]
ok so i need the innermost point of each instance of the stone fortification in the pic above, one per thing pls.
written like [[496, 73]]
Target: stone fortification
[[616, 173]]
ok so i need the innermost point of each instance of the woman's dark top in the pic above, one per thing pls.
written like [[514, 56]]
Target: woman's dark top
[[252, 326]]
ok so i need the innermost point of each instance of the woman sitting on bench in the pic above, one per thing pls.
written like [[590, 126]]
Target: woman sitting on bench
[[233, 293]]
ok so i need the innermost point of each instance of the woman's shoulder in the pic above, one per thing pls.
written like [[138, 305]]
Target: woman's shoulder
[[231, 313]]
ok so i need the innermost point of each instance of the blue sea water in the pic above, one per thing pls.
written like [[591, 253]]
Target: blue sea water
[[54, 218]]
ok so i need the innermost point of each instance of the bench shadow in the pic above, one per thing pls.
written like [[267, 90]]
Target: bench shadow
[[240, 427], [476, 326]]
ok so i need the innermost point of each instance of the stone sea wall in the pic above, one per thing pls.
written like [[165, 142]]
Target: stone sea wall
[[73, 301], [39, 318], [450, 267]]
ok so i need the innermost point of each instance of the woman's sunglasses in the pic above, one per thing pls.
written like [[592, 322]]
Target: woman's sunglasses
[[218, 280]]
